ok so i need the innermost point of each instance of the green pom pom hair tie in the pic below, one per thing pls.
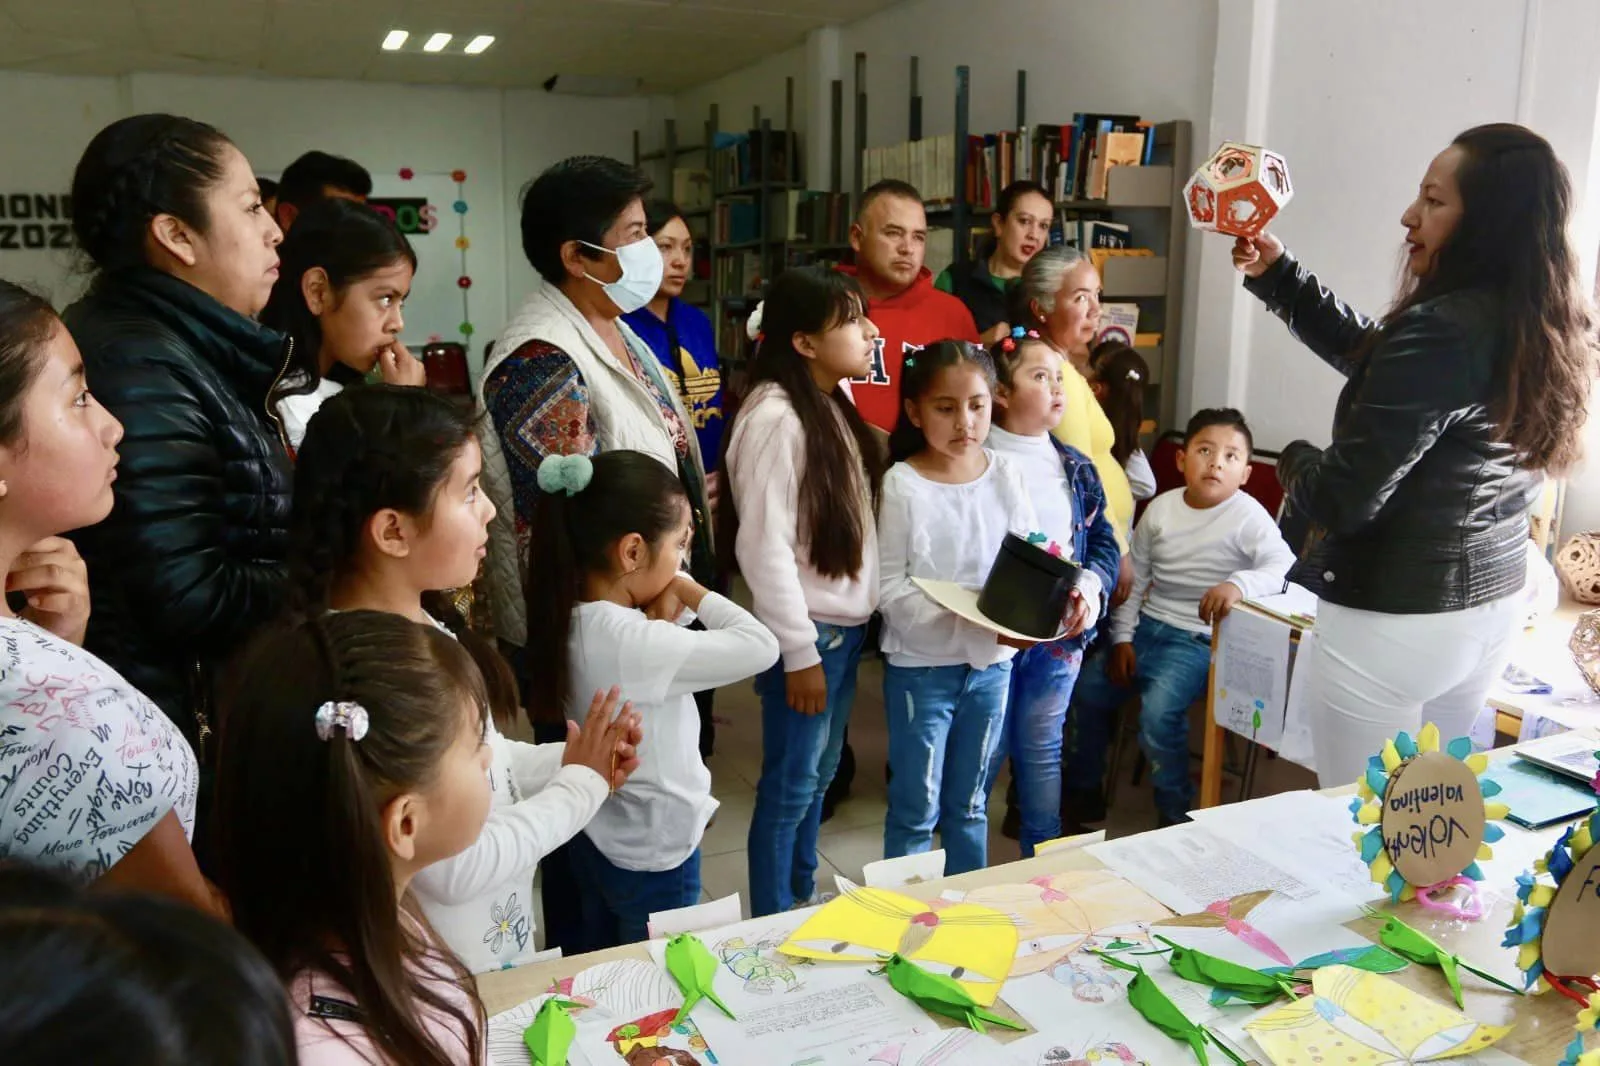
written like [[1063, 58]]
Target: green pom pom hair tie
[[565, 473]]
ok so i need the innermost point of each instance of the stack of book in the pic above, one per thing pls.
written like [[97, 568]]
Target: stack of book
[[1069, 160]]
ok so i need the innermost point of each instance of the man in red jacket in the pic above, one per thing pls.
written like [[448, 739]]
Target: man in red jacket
[[890, 237]]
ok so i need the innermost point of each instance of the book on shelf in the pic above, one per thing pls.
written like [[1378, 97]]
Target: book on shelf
[[1113, 150], [691, 188], [1071, 160], [1119, 322], [739, 162], [1099, 256], [735, 220], [822, 218]]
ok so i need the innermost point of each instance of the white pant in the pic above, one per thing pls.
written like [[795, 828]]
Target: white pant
[[1373, 675]]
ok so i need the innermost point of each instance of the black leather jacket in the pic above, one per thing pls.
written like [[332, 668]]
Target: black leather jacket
[[191, 560], [1421, 509]]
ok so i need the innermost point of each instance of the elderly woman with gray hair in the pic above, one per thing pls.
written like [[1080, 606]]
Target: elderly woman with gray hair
[[1058, 296]]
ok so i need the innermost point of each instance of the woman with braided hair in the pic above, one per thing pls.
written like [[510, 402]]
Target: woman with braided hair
[[191, 560]]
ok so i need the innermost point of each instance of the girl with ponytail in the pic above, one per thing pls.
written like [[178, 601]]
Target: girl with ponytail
[[606, 590]]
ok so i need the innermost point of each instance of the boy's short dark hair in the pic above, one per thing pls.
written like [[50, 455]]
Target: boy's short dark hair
[[304, 180], [1219, 416], [900, 190]]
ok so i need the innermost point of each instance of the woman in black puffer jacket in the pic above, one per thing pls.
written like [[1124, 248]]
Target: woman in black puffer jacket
[[191, 561], [1458, 401]]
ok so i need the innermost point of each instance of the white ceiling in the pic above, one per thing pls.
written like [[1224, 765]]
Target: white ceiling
[[669, 44]]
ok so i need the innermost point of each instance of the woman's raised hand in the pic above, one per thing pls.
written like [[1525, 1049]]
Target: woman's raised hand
[[1252, 256]]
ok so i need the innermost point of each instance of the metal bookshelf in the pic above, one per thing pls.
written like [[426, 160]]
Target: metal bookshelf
[[1147, 198]]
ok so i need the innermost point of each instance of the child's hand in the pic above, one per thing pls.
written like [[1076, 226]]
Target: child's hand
[[683, 592], [397, 366], [1124, 588], [1253, 256], [1215, 604], [807, 690], [606, 745], [1077, 617], [1123, 665], [53, 576]]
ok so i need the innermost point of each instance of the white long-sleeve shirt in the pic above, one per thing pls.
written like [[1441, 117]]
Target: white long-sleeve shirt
[[656, 820], [1180, 553], [929, 529], [1141, 478], [482, 901], [765, 464]]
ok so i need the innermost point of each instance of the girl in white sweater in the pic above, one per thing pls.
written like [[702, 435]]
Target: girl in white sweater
[[605, 593], [947, 505], [805, 472], [387, 509]]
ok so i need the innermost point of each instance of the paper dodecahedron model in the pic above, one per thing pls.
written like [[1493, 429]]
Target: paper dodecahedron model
[[1238, 190]]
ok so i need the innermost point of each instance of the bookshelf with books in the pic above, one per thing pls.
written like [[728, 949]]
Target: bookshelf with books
[[763, 218], [1116, 181], [682, 173]]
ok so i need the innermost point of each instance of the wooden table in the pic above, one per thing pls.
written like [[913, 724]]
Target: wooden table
[[1543, 1023]]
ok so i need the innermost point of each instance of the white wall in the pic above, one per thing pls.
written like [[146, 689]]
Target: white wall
[[1359, 97], [759, 85], [501, 139]]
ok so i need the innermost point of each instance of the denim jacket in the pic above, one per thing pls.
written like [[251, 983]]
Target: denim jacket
[[1094, 542]]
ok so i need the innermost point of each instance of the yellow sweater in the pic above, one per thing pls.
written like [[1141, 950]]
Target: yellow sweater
[[1084, 426]]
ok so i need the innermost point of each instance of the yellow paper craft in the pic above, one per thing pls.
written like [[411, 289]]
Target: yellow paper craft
[[972, 944], [1359, 1018], [1057, 914]]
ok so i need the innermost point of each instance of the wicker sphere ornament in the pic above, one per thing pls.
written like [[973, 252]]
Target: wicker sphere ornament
[[1578, 563], [1585, 647]]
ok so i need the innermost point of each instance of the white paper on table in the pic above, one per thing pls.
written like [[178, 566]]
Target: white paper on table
[[696, 918], [1110, 1026], [792, 1010], [1295, 601], [1296, 745], [944, 1047], [1306, 833], [1252, 677], [904, 870], [1187, 867], [608, 996]]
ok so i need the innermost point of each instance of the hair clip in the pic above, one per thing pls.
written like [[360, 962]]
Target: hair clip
[[342, 714], [1019, 332], [1134, 375], [752, 325], [909, 361], [570, 474], [1007, 344]]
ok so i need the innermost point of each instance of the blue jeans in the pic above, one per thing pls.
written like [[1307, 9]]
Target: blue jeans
[[1173, 665], [1042, 679], [617, 903], [945, 723], [799, 754]]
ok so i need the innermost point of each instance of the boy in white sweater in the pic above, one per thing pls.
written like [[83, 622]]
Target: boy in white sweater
[[1196, 552]]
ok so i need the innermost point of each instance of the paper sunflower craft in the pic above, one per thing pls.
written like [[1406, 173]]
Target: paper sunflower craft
[[1552, 927], [1588, 1021], [1425, 812]]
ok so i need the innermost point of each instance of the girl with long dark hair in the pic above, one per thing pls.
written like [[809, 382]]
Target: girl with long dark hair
[[805, 472]]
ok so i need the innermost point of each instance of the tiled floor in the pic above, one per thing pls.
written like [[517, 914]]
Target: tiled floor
[[854, 835]]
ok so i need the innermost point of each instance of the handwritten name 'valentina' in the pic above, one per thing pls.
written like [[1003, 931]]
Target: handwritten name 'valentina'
[[1414, 799]]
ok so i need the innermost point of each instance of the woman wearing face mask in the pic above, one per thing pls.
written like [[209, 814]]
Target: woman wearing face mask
[[1458, 400], [191, 560], [1021, 227], [569, 377]]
